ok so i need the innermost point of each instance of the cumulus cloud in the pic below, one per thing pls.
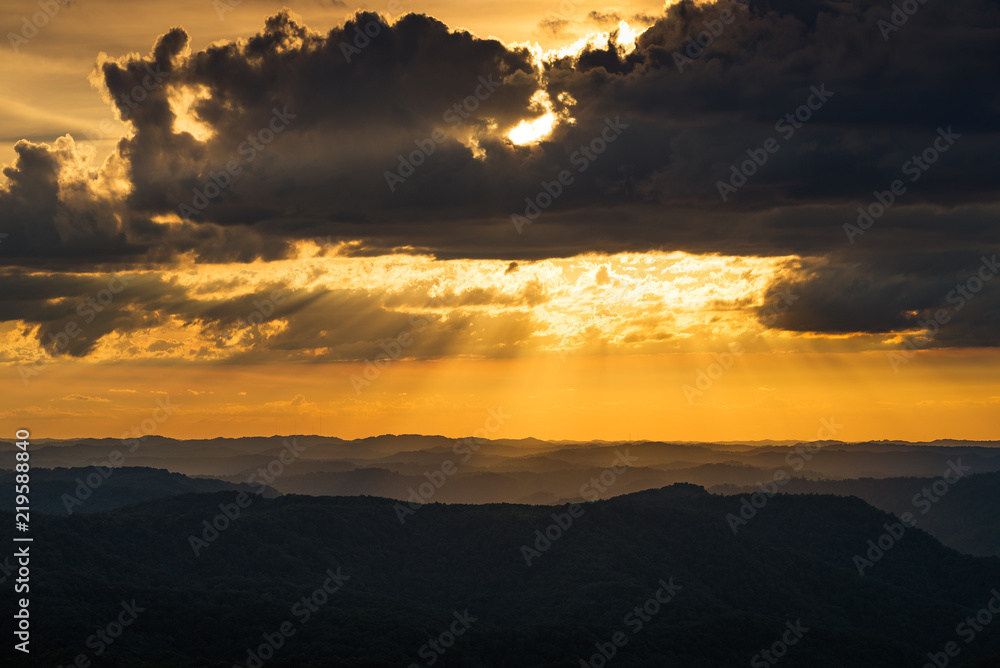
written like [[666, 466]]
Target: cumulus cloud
[[356, 112]]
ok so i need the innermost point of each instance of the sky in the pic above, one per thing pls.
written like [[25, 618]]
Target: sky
[[693, 221]]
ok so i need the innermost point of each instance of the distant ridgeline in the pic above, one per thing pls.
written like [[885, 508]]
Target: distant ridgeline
[[951, 489]]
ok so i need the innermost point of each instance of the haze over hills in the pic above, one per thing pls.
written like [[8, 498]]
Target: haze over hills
[[63, 491], [964, 515], [414, 455], [414, 470]]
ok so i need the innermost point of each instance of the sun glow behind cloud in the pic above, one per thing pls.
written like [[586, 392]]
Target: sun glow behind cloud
[[591, 346], [182, 102], [534, 130], [628, 303]]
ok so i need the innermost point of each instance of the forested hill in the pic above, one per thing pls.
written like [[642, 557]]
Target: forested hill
[[963, 515], [63, 491], [400, 585]]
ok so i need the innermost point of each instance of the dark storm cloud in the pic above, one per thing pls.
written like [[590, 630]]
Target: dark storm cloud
[[348, 105], [70, 315], [39, 223], [353, 103], [61, 217], [954, 295], [326, 172]]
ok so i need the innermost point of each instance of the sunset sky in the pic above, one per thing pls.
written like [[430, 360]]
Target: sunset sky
[[246, 207]]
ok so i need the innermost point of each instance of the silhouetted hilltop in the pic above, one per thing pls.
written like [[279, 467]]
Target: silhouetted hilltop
[[62, 491], [963, 514], [590, 567]]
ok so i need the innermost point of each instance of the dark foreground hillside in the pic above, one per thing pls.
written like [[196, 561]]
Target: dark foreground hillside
[[64, 491], [787, 583], [963, 515]]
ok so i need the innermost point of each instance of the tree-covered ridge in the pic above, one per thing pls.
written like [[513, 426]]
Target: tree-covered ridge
[[404, 583], [63, 491]]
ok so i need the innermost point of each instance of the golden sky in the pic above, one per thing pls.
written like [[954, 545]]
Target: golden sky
[[251, 324], [586, 347], [940, 395]]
